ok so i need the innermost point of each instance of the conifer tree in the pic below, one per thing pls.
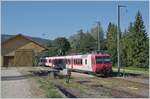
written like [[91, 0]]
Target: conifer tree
[[135, 44], [112, 41], [140, 47]]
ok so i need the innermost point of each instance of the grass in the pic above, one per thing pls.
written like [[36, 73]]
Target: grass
[[134, 70], [49, 88], [48, 85], [72, 84], [79, 89]]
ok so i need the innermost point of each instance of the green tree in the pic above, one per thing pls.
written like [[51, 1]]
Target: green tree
[[76, 40], [61, 45], [94, 33], [111, 41], [126, 47], [51, 49], [87, 44], [82, 42], [135, 44], [140, 53]]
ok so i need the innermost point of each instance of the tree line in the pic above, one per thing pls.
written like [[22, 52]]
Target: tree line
[[134, 43]]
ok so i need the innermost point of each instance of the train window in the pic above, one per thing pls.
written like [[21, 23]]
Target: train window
[[49, 60], [102, 59], [68, 61], [78, 61], [74, 61], [65, 61], [85, 61], [44, 60], [81, 61]]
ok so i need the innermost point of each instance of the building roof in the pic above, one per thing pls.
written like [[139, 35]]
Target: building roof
[[5, 37], [32, 39]]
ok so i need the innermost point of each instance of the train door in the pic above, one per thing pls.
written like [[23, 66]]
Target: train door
[[89, 63]]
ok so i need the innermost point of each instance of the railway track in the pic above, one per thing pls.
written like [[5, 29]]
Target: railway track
[[66, 92], [116, 84], [129, 77]]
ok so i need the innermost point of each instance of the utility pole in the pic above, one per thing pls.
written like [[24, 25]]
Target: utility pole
[[118, 39], [98, 36]]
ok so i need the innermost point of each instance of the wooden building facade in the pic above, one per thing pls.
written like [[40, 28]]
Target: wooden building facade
[[19, 51]]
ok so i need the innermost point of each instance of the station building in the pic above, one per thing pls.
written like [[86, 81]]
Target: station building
[[20, 50]]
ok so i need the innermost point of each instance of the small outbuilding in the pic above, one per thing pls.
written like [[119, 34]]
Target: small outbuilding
[[20, 50]]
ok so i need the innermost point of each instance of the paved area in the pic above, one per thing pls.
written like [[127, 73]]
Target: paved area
[[14, 84]]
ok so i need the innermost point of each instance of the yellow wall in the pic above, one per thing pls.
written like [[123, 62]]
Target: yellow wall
[[19, 42], [32, 45], [1, 60]]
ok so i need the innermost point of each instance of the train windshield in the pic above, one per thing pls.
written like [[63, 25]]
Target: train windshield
[[102, 59]]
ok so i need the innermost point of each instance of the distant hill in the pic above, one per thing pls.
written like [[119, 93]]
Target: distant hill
[[42, 41]]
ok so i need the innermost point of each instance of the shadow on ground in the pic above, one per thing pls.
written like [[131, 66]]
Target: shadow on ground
[[115, 74], [7, 78]]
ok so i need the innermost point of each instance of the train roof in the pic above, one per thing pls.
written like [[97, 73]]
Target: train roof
[[67, 56]]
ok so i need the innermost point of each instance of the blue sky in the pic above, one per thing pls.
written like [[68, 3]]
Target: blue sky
[[63, 19]]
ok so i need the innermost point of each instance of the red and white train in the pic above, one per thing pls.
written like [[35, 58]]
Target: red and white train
[[96, 63]]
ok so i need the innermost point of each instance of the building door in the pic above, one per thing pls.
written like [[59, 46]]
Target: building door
[[23, 57], [8, 61]]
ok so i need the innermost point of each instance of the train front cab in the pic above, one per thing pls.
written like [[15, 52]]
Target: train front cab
[[101, 64]]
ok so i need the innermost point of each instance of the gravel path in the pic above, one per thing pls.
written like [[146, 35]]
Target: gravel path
[[76, 74], [135, 79], [14, 84], [118, 87]]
